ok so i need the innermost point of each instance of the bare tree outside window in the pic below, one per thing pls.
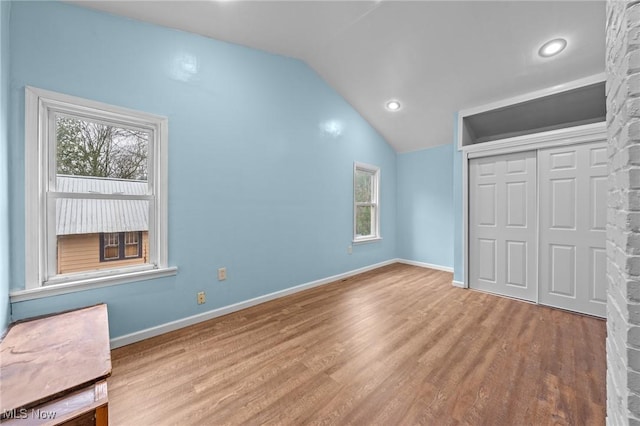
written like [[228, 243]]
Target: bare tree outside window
[[363, 194], [86, 148]]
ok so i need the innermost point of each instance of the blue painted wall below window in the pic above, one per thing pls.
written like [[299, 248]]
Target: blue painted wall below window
[[5, 11], [261, 154], [425, 210]]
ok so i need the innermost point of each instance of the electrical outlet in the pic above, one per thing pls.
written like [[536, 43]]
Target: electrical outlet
[[349, 249], [201, 297], [222, 274]]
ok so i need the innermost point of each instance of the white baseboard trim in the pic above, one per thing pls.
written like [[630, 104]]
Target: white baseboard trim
[[425, 265], [136, 336], [458, 284]]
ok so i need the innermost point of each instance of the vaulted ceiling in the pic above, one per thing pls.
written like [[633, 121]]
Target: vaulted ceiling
[[435, 57]]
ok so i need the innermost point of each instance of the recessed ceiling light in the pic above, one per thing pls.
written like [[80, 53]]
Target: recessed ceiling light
[[552, 47], [393, 105]]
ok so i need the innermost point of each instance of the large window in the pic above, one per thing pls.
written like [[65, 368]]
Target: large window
[[366, 211], [95, 192]]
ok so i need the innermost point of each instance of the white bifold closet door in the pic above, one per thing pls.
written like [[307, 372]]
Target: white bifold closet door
[[503, 224], [573, 218], [537, 226]]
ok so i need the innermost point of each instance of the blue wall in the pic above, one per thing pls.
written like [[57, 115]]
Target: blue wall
[[261, 156], [425, 210], [5, 11]]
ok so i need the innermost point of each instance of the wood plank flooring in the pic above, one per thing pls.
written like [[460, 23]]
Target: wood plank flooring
[[397, 345]]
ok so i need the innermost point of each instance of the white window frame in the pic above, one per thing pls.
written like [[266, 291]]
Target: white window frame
[[375, 203], [40, 108]]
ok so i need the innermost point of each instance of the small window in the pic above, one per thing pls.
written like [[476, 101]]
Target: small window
[[95, 173], [120, 245], [366, 221]]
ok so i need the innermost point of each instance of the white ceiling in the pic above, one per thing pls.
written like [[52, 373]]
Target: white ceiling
[[435, 57]]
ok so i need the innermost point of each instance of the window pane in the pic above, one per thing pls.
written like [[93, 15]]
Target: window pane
[[111, 239], [80, 223], [364, 186], [131, 238], [131, 250], [98, 158], [363, 221], [111, 252]]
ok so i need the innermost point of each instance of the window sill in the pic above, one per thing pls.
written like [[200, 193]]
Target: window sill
[[90, 284], [367, 240]]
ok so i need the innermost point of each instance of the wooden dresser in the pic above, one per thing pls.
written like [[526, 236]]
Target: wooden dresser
[[53, 370]]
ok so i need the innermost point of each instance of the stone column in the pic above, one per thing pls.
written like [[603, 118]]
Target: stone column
[[623, 213]]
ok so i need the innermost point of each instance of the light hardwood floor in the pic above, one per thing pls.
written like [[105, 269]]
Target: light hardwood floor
[[398, 345]]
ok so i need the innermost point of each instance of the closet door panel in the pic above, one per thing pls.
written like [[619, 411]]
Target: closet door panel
[[573, 190], [502, 218]]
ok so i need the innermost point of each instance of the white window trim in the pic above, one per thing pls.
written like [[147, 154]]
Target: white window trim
[[38, 105], [375, 201], [126, 275]]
